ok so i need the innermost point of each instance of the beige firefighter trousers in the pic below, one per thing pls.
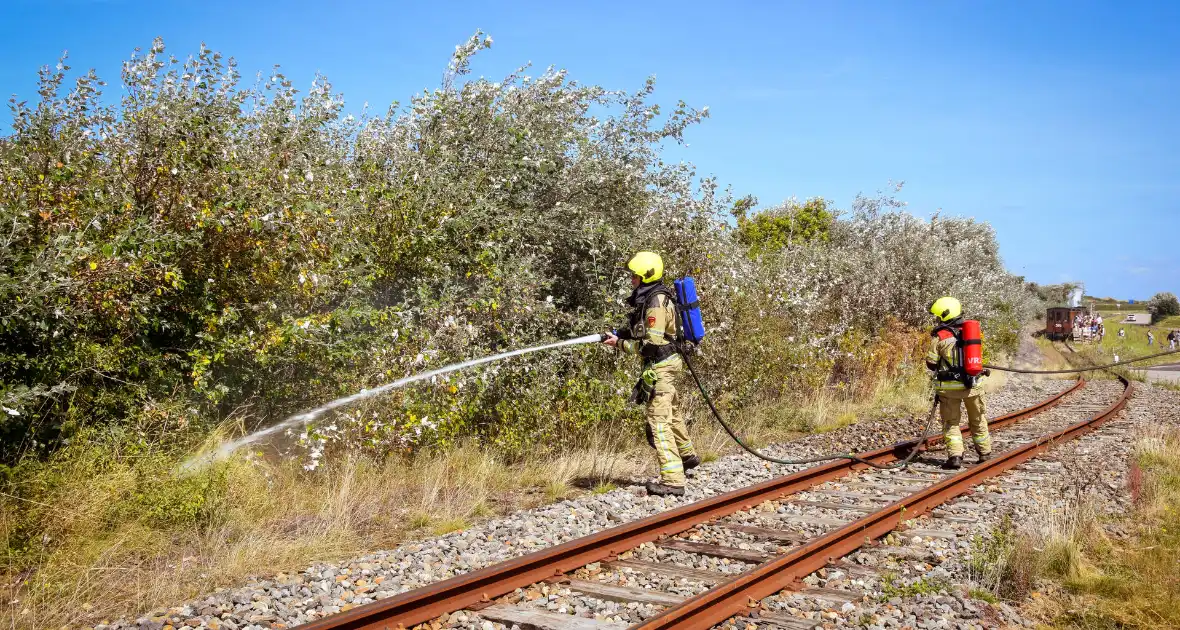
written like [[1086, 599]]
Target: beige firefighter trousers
[[669, 433], [950, 409]]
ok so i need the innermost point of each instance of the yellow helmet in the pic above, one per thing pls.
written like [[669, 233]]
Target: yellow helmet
[[946, 309], [647, 265]]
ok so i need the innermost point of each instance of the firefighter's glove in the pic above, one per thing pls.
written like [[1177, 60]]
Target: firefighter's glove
[[638, 396], [644, 387]]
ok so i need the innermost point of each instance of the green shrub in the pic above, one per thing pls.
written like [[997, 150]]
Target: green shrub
[[202, 254], [790, 224], [1162, 306]]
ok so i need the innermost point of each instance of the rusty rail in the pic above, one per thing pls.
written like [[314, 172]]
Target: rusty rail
[[471, 589], [743, 593]]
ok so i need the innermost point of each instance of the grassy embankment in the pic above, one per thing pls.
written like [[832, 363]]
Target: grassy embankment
[[123, 534], [1074, 568], [1053, 359], [1080, 575], [1134, 344]]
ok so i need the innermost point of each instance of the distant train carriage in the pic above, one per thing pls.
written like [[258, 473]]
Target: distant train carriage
[[1059, 321]]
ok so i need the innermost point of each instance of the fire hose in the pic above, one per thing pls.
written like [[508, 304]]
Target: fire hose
[[1076, 370], [685, 352], [807, 460]]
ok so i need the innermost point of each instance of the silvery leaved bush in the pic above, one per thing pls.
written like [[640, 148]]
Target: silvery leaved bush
[[250, 250]]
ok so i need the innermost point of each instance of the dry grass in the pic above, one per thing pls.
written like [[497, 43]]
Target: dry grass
[[1058, 534], [1097, 581], [1053, 359], [1008, 561], [271, 518]]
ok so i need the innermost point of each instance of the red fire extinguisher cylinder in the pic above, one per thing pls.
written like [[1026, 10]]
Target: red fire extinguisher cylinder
[[972, 348]]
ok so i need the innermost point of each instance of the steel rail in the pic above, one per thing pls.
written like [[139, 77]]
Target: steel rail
[[471, 589], [743, 593]]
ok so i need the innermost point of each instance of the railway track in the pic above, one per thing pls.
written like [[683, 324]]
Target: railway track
[[703, 563]]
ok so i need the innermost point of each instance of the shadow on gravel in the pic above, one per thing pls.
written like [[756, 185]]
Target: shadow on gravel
[[937, 461], [590, 483]]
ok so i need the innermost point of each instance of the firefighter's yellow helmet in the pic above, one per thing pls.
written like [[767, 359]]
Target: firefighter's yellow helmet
[[647, 265], [946, 309]]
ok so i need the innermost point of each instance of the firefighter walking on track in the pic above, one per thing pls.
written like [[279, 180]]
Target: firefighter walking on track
[[956, 358], [650, 332]]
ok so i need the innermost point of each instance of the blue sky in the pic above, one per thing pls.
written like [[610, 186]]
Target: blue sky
[[1058, 122]]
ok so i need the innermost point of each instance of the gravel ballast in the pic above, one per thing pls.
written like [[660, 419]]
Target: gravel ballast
[[920, 577], [287, 600]]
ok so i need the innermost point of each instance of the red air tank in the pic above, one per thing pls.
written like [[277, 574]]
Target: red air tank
[[972, 348]]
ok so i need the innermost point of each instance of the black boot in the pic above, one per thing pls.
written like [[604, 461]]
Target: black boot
[[954, 462], [690, 462], [983, 457], [660, 490]]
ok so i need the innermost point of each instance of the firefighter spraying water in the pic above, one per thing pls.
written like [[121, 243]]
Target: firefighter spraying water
[[660, 323]]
